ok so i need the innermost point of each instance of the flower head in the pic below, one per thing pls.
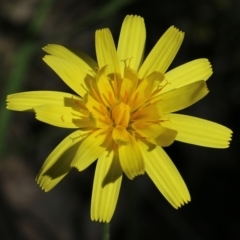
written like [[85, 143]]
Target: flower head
[[123, 113]]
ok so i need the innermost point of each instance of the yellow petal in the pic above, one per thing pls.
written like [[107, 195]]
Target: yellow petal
[[106, 51], [28, 100], [106, 187], [180, 98], [58, 163], [150, 113], [126, 89], [198, 131], [155, 133], [165, 175], [145, 89], [132, 75], [105, 88], [199, 69], [131, 42], [70, 72], [131, 159], [91, 148], [163, 52], [65, 117], [120, 135], [98, 111], [128, 85], [86, 63]]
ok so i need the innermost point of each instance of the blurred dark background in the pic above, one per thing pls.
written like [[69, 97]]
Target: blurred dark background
[[212, 30]]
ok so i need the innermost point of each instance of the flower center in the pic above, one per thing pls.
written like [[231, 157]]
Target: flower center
[[121, 115]]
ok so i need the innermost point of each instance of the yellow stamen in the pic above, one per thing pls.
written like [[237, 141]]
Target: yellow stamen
[[116, 86], [111, 101], [129, 61], [80, 104], [121, 114], [95, 94], [134, 115], [134, 100], [106, 120], [124, 100], [104, 110], [81, 135], [159, 89]]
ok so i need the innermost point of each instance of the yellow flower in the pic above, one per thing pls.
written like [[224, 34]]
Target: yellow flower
[[123, 112]]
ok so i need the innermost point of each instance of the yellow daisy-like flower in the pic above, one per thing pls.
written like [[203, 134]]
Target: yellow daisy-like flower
[[123, 112]]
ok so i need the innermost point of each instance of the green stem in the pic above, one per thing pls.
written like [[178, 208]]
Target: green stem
[[106, 231]]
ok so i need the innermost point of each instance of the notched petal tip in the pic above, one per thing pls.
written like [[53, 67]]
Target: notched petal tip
[[163, 53], [47, 182], [44, 182], [99, 219], [46, 47], [7, 102], [229, 136], [77, 167], [106, 186], [174, 30], [54, 49], [131, 42], [99, 31], [182, 204], [133, 16], [106, 51], [165, 175], [19, 102], [199, 131], [210, 66]]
